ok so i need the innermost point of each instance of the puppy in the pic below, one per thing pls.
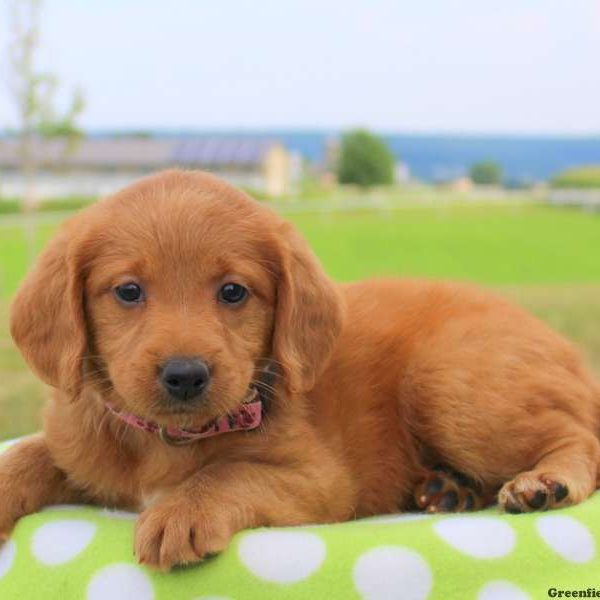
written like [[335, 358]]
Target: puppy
[[207, 373]]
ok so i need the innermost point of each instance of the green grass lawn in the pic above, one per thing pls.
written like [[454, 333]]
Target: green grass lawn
[[14, 258], [548, 259], [493, 245]]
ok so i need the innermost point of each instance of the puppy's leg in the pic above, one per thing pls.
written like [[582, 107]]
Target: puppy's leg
[[198, 518], [29, 480], [446, 490], [566, 474]]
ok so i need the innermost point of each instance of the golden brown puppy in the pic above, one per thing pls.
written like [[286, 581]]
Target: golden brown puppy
[[166, 306]]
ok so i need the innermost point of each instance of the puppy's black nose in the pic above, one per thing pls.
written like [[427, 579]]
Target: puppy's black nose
[[185, 378]]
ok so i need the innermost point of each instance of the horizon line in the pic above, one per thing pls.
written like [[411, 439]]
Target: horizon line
[[332, 131]]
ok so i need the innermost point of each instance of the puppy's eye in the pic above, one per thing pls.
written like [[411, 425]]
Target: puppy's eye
[[232, 293], [129, 293]]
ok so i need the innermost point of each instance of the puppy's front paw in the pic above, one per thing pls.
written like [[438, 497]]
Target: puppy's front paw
[[6, 526], [13, 506], [176, 533]]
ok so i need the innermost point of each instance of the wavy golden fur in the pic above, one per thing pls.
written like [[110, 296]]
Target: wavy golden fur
[[376, 381]]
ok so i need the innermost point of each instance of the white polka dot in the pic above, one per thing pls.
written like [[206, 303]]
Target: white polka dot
[[392, 572], [282, 556], [479, 537], [402, 518], [61, 507], [119, 514], [120, 582], [7, 444], [7, 557], [58, 542], [502, 590], [567, 536]]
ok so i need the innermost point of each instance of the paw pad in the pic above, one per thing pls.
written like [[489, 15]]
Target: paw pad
[[445, 490], [527, 493]]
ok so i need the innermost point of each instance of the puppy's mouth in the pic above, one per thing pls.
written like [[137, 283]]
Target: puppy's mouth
[[177, 410], [173, 431], [187, 415], [180, 416], [194, 414], [217, 402]]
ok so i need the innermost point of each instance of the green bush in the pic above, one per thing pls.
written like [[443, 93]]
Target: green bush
[[486, 172], [580, 177], [66, 204], [13, 205], [365, 160], [9, 206]]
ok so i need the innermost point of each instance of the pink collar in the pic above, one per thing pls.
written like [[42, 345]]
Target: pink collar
[[248, 416]]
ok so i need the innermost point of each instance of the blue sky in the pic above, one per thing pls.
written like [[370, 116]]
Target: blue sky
[[516, 66]]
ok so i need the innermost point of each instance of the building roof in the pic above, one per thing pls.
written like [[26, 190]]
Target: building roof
[[221, 151], [143, 153]]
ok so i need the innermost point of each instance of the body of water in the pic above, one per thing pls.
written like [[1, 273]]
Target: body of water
[[443, 157]]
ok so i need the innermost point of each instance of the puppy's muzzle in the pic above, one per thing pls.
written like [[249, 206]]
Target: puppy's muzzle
[[184, 379]]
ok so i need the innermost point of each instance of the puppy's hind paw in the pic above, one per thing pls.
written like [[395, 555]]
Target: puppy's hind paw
[[446, 490]]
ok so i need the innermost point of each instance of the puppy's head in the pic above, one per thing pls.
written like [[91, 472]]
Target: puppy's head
[[170, 296]]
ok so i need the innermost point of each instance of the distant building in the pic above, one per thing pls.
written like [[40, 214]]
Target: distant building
[[100, 166], [401, 173], [461, 185]]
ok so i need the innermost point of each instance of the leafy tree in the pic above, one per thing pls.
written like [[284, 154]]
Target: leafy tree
[[33, 93], [578, 177], [486, 172], [365, 160]]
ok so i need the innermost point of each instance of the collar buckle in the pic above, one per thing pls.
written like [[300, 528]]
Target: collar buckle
[[167, 438]]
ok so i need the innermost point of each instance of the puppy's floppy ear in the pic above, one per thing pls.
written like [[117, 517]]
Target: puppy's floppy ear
[[47, 316], [309, 314]]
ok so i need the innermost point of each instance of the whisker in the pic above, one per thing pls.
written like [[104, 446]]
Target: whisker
[[99, 378], [90, 357], [96, 372], [101, 422], [269, 359], [264, 386], [125, 430]]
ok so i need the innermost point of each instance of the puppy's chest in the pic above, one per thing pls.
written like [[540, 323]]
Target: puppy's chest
[[128, 479], [142, 483], [149, 498], [163, 468]]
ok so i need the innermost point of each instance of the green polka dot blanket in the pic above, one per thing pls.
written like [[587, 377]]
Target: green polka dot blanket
[[71, 552]]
